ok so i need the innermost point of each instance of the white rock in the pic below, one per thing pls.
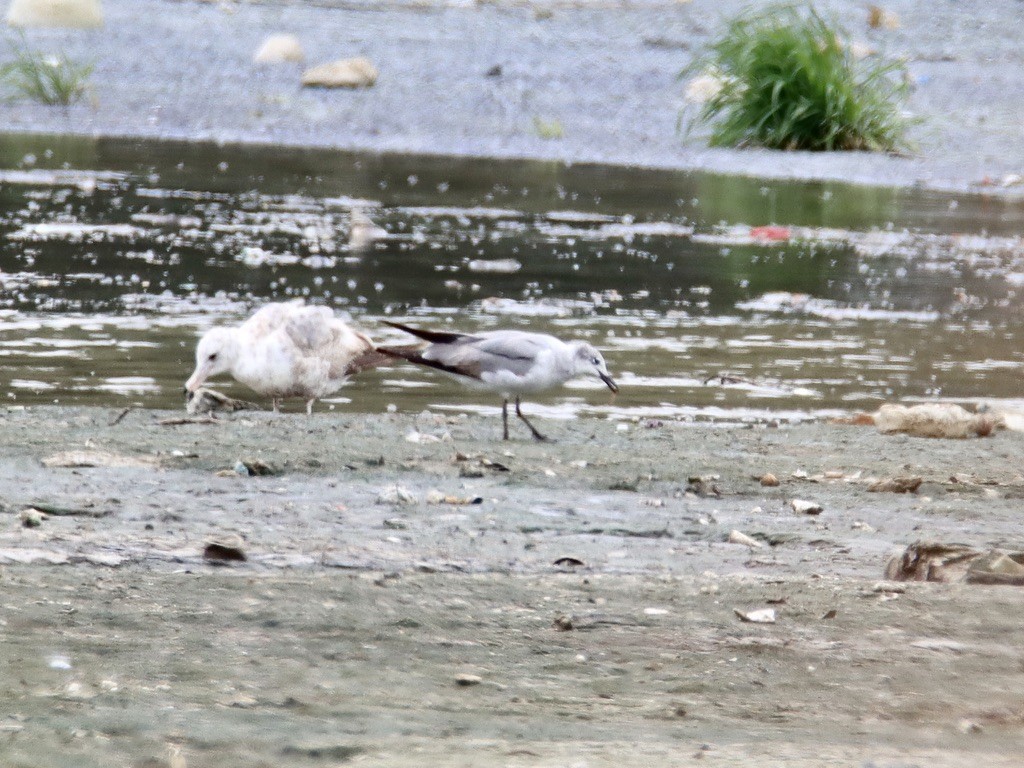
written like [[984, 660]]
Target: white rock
[[804, 507], [738, 537], [703, 88], [280, 49], [760, 616], [344, 73], [55, 13], [395, 494]]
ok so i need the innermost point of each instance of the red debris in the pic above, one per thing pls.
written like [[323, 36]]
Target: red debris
[[770, 232]]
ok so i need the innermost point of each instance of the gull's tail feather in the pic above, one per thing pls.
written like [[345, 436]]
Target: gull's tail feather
[[413, 353], [435, 337], [410, 352], [372, 358]]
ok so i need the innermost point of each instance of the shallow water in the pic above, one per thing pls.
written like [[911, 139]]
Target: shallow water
[[115, 255]]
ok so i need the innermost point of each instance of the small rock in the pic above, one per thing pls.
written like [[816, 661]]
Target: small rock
[[562, 623], [831, 613], [896, 485], [703, 88], [76, 691], [495, 71], [280, 49], [86, 458], [344, 73], [882, 588], [78, 14], [704, 487], [738, 537], [467, 680], [861, 50], [768, 480], [760, 616], [225, 551], [803, 507], [969, 726], [253, 468], [395, 494], [569, 562], [32, 518], [436, 497], [880, 18]]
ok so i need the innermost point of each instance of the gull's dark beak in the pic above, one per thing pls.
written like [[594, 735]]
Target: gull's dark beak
[[609, 381]]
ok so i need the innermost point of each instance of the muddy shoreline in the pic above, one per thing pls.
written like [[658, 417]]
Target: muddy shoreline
[[589, 594], [473, 81]]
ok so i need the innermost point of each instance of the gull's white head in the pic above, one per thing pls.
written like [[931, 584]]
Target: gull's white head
[[587, 360], [215, 353]]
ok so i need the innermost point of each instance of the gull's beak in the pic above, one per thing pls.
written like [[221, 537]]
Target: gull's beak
[[610, 382], [196, 379]]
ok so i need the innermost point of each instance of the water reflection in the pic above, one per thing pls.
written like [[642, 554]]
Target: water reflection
[[108, 275]]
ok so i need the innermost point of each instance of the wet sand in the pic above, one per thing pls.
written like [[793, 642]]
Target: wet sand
[[589, 595], [606, 73]]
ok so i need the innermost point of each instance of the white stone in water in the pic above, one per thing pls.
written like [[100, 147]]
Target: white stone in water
[[280, 49], [55, 13], [344, 73]]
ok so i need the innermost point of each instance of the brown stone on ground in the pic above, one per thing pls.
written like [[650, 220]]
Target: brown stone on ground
[[897, 485], [344, 73]]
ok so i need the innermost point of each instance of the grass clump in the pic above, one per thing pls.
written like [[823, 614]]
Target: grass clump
[[785, 78], [55, 80]]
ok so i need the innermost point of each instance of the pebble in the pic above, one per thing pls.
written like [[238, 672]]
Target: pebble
[[32, 518], [768, 480], [280, 49], [395, 494], [79, 14], [467, 680], [759, 616], [804, 507], [738, 537], [344, 73]]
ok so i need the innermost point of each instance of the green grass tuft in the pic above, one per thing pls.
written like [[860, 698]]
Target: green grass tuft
[[52, 80], [786, 79]]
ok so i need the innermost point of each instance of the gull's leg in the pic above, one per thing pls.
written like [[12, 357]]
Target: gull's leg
[[276, 401], [536, 435], [504, 416], [309, 406]]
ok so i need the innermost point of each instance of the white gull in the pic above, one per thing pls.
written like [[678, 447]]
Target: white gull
[[286, 350], [509, 363]]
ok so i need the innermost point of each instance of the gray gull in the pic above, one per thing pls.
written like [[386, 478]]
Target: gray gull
[[509, 363]]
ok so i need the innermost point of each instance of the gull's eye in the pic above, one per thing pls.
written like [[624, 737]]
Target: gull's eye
[[213, 356], [595, 361]]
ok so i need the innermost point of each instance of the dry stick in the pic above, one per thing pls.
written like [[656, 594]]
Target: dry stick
[[121, 415]]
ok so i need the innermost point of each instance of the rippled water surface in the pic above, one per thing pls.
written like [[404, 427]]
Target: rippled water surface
[[115, 255]]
